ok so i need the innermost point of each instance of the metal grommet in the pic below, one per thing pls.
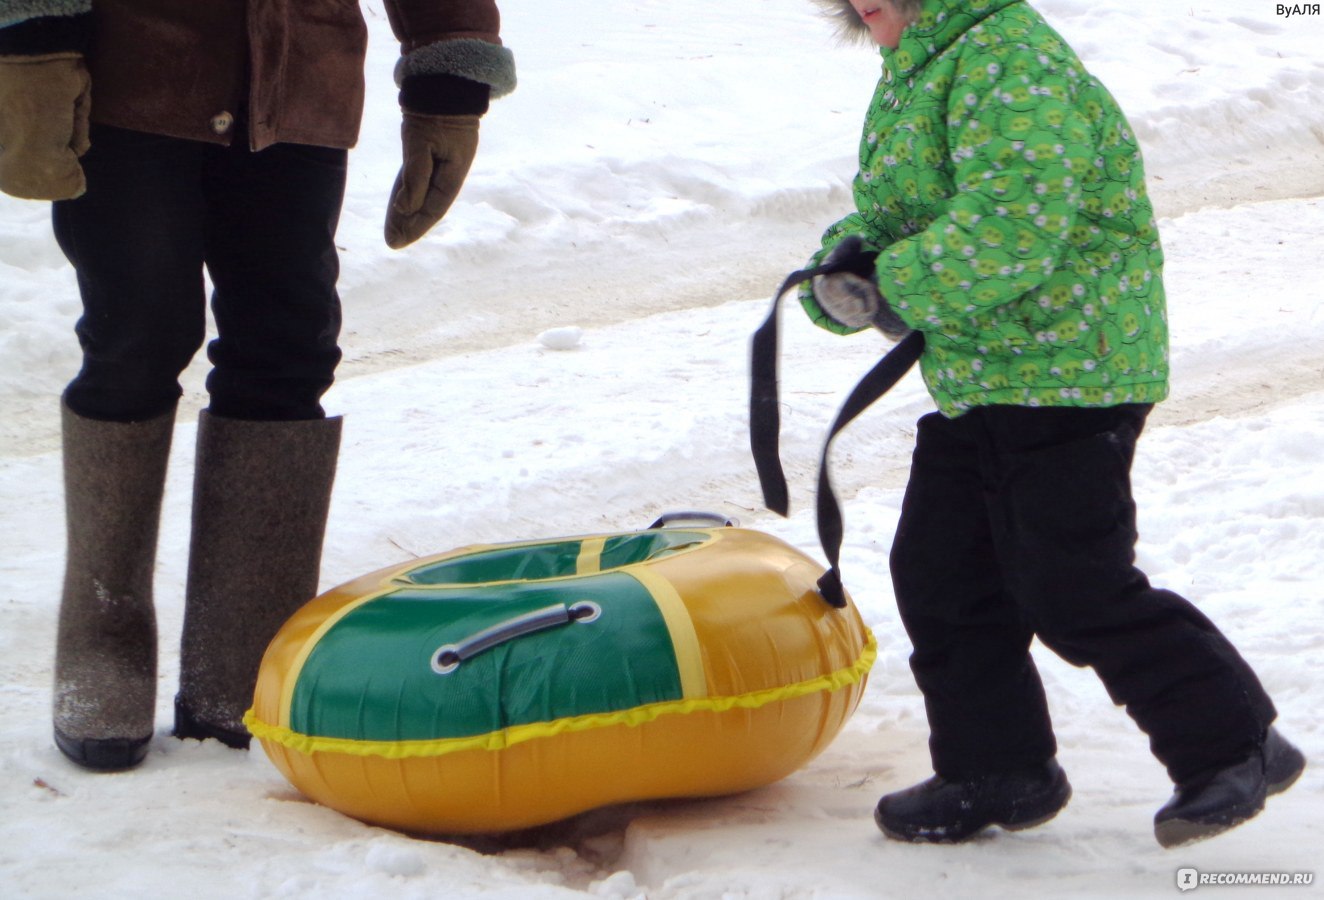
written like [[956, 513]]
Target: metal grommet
[[221, 122]]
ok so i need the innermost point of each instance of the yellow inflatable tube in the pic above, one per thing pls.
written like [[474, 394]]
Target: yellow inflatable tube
[[499, 687]]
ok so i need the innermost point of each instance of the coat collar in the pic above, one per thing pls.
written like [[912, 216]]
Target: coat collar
[[941, 24]]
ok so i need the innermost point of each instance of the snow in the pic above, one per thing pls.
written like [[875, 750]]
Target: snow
[[566, 354]]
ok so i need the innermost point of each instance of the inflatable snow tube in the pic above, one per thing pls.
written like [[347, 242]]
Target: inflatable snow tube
[[500, 687]]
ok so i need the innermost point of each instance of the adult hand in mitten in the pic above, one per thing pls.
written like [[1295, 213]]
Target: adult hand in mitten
[[44, 106], [437, 151], [850, 295]]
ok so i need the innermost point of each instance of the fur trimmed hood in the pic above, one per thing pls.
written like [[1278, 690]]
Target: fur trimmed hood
[[849, 26], [848, 20]]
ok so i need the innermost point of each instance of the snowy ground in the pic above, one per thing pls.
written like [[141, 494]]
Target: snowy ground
[[655, 174]]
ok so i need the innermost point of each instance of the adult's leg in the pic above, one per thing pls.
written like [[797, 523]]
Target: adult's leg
[[105, 657], [135, 240], [271, 252], [261, 494], [266, 454]]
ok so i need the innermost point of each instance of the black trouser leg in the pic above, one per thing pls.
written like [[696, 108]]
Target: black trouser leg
[[984, 699], [270, 249], [135, 240], [1062, 521], [157, 210], [1066, 528]]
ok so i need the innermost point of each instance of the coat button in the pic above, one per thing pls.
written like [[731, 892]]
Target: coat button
[[221, 122]]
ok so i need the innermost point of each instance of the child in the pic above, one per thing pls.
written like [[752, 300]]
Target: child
[[1001, 203]]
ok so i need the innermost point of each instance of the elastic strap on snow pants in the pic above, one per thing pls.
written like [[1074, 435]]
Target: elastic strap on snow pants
[[765, 425]]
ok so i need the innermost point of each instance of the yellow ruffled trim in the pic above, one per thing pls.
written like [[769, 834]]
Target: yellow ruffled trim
[[518, 734]]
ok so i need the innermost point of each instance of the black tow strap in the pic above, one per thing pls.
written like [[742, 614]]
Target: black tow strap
[[765, 425]]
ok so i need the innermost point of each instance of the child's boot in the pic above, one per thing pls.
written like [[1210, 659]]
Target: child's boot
[[1216, 801], [942, 811]]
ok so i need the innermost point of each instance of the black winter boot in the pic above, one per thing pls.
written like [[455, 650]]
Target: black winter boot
[[939, 811], [260, 500], [105, 652], [1216, 801]]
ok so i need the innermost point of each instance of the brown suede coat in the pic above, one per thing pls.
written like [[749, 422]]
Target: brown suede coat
[[190, 68]]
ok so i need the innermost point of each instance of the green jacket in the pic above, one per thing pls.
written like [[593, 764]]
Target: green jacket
[[1004, 191]]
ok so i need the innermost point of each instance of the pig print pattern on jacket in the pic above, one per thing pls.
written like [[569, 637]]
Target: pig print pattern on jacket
[[1004, 190]]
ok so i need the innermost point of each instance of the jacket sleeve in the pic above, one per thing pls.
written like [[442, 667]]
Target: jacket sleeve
[[852, 224], [1022, 154], [38, 27], [459, 38]]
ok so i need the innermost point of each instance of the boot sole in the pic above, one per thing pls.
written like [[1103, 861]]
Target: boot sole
[[103, 754], [1179, 832], [190, 727], [1022, 824], [926, 836], [945, 836], [1030, 823]]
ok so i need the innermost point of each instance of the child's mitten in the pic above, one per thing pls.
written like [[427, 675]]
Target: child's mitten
[[850, 295]]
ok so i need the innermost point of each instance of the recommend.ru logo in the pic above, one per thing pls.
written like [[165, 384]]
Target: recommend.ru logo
[[1190, 879]]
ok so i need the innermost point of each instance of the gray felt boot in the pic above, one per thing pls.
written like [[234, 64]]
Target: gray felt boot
[[105, 653], [260, 498]]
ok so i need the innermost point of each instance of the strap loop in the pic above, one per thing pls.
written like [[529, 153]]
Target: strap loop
[[765, 424]]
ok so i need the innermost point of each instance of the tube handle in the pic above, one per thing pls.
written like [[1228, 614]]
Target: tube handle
[[447, 658]]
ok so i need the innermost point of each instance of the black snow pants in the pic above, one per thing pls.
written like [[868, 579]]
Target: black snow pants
[[1018, 523], [157, 211]]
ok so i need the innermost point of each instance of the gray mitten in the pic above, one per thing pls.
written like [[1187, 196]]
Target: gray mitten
[[852, 297]]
